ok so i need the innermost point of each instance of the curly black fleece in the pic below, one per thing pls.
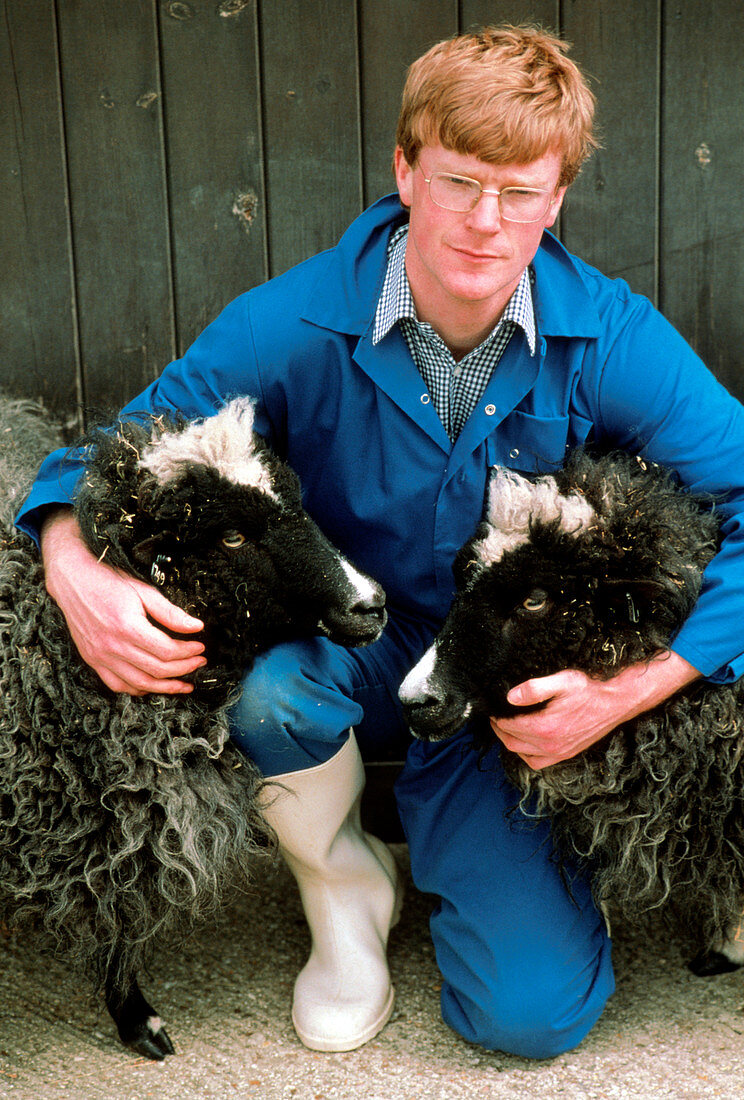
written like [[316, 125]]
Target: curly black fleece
[[122, 818], [655, 811]]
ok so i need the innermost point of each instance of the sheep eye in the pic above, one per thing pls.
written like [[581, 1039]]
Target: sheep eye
[[232, 540], [535, 602]]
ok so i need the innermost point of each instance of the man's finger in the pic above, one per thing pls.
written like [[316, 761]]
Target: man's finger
[[166, 613]]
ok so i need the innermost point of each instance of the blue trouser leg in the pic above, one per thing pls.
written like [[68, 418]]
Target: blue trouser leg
[[301, 698], [526, 966]]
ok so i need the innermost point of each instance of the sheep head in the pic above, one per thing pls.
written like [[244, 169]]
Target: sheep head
[[207, 512], [595, 568]]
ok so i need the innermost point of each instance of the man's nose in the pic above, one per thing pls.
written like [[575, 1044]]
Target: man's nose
[[486, 214]]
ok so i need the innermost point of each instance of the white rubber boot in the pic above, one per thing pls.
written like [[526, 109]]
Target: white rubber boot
[[348, 883]]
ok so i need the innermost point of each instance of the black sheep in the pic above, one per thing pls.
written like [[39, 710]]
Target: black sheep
[[597, 568], [122, 818]]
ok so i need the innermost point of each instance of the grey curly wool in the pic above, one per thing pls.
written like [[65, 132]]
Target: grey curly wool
[[27, 435], [99, 829], [655, 811], [116, 812], [122, 818]]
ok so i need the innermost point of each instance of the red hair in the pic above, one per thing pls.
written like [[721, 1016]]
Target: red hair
[[506, 95]]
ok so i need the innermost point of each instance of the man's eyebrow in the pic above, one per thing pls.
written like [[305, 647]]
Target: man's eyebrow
[[542, 183]]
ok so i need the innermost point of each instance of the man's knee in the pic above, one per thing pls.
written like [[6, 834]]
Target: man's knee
[[289, 717], [267, 690], [540, 1017]]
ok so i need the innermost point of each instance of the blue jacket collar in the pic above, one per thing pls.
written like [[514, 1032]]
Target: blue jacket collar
[[563, 304], [355, 269]]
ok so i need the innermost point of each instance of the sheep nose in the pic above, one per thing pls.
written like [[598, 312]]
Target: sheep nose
[[359, 621], [419, 708], [371, 606], [431, 718]]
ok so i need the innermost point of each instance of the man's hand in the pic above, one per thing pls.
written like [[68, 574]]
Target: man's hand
[[107, 615], [579, 711]]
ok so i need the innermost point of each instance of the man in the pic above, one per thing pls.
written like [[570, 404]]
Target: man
[[446, 333]]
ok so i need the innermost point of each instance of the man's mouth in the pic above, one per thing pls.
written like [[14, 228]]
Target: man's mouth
[[477, 257]]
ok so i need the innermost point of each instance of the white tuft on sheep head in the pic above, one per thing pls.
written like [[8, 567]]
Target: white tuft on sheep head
[[222, 441], [514, 503]]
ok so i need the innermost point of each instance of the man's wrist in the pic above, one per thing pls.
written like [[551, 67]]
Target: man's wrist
[[58, 522], [651, 682]]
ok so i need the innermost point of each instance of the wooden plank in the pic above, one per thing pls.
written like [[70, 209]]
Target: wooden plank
[[37, 331], [609, 216], [702, 216], [477, 13], [112, 101], [213, 142], [393, 33], [311, 125]]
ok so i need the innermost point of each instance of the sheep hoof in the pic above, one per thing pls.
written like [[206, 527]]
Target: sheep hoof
[[708, 963], [150, 1039]]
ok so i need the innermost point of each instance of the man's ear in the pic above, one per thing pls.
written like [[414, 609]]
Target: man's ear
[[555, 206], [403, 176]]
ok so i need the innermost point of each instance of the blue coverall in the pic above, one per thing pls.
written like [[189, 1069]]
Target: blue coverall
[[526, 967]]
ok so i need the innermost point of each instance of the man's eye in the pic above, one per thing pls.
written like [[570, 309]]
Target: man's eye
[[232, 540]]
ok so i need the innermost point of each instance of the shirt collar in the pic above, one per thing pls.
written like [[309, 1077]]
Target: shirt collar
[[396, 301]]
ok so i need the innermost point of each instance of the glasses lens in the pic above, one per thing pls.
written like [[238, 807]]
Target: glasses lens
[[522, 205], [454, 192]]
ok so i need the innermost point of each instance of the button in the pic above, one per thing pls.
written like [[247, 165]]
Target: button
[[490, 410], [425, 399], [514, 453]]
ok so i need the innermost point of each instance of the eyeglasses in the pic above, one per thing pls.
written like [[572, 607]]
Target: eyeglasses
[[462, 194]]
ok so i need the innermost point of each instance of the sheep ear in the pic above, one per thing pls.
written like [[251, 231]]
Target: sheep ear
[[630, 596], [147, 550], [155, 555]]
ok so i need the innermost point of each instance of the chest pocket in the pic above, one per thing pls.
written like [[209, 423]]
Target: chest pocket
[[536, 444]]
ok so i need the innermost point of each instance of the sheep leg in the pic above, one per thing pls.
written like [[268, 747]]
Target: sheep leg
[[707, 963], [138, 1024], [729, 955]]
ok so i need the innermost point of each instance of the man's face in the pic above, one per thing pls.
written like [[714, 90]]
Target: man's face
[[457, 262]]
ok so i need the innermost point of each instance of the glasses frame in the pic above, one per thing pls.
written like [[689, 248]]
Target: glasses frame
[[487, 191]]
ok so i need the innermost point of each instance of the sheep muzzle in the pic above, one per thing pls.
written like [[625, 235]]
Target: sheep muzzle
[[432, 711], [361, 618]]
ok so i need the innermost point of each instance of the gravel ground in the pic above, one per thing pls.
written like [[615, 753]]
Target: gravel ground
[[226, 997]]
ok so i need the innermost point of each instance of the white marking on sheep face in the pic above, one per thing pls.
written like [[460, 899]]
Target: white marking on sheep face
[[514, 502], [417, 685], [363, 586], [223, 441]]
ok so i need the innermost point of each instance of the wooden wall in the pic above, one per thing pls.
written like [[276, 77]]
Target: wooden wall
[[158, 157]]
